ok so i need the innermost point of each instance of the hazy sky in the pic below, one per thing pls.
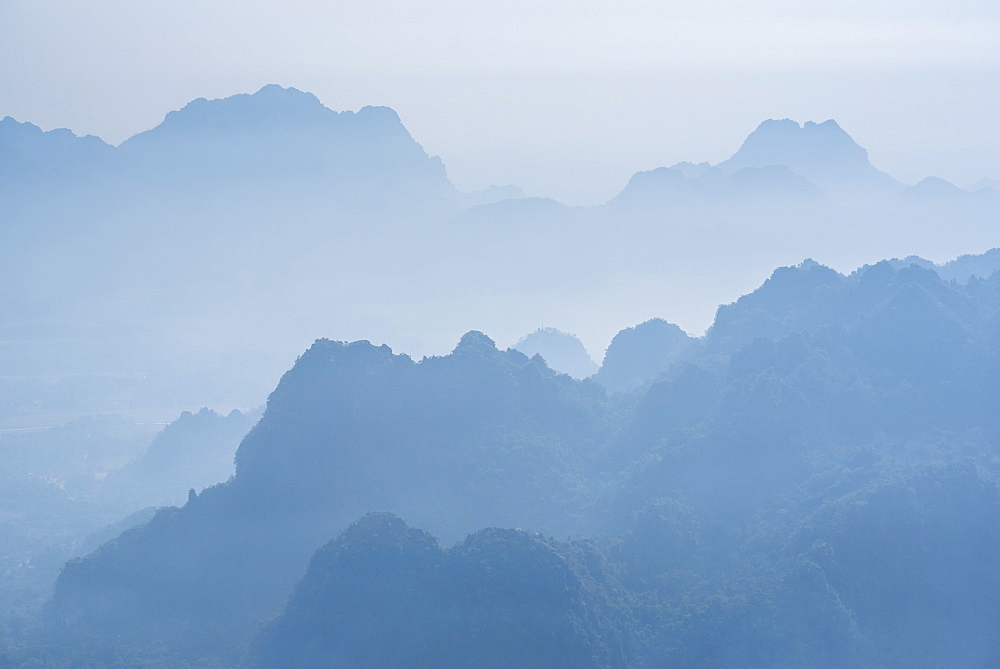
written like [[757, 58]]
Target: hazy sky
[[566, 99]]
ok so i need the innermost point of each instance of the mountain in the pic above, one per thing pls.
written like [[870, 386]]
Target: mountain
[[195, 451], [780, 160], [490, 436], [666, 186], [196, 260], [196, 250], [812, 482], [490, 195], [822, 419], [985, 182], [825, 420], [28, 153], [561, 351], [68, 489], [286, 135], [639, 354], [933, 189], [964, 267], [821, 152], [277, 140], [382, 594], [961, 269], [50, 485], [793, 299]]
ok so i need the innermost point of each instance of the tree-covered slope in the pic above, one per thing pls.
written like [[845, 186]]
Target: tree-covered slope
[[383, 594], [478, 438], [826, 494], [812, 482]]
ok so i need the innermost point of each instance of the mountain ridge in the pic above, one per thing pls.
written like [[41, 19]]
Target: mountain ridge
[[823, 153], [486, 438]]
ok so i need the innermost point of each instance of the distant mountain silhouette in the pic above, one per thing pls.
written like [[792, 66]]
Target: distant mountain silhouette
[[687, 184], [285, 134], [985, 182], [195, 451], [961, 269], [781, 162], [936, 203], [491, 195], [28, 153], [933, 188], [196, 220], [517, 210], [562, 351], [238, 226], [277, 142], [821, 152]]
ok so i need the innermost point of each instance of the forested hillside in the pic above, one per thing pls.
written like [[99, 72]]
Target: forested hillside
[[814, 482]]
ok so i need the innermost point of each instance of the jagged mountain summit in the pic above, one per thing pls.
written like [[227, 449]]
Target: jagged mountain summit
[[195, 224], [780, 160], [238, 229], [276, 137], [286, 134], [823, 153], [738, 495]]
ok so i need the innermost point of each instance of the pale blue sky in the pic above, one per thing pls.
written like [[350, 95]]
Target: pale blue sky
[[566, 99]]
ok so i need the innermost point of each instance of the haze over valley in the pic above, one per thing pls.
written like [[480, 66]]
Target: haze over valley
[[433, 334], [220, 243]]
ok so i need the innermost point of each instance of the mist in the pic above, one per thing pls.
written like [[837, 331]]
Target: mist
[[543, 334], [563, 99], [219, 244]]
